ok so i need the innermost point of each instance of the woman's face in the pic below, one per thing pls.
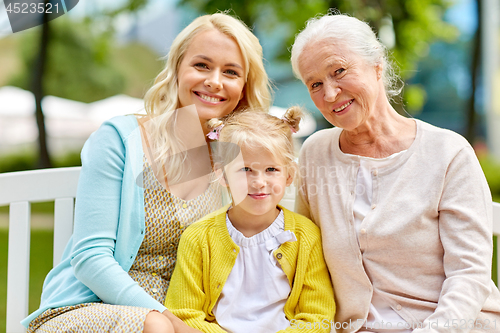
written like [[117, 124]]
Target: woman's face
[[341, 84], [211, 75]]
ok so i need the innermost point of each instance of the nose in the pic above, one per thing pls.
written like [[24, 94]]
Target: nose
[[258, 181], [214, 81], [332, 90]]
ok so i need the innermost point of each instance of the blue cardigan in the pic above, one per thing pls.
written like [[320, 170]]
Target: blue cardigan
[[109, 225]]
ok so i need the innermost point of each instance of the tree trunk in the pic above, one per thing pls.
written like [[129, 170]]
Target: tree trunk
[[38, 91], [470, 133]]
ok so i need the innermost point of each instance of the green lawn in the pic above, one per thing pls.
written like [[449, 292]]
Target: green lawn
[[40, 264]]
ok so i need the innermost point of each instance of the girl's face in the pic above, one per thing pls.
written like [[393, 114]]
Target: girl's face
[[257, 181], [211, 75]]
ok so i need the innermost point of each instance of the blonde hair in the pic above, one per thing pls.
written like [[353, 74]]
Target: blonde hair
[[258, 130], [161, 100]]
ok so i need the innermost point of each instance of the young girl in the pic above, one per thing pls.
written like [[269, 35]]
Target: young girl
[[254, 266]]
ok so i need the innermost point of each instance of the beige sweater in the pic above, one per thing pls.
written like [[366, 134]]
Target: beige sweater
[[427, 243]]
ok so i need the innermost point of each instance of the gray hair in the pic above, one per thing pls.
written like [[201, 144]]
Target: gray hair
[[355, 34]]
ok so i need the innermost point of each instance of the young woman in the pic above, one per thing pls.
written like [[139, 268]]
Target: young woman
[[139, 186]]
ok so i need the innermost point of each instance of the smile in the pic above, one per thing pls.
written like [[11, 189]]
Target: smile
[[210, 99], [343, 106], [258, 196]]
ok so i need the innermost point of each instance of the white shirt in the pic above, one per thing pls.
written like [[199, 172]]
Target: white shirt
[[380, 313], [255, 293]]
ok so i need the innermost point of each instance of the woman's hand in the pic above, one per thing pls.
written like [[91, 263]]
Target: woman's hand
[[179, 325]]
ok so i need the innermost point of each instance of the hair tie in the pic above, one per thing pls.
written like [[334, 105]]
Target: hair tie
[[288, 123], [215, 133]]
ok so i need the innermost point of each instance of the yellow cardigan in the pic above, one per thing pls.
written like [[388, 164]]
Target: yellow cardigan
[[207, 255]]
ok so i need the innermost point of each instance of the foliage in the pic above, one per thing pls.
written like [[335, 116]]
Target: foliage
[[26, 160], [490, 168], [416, 23], [79, 65], [139, 65]]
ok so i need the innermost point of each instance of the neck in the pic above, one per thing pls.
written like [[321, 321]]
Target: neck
[[384, 133], [249, 224]]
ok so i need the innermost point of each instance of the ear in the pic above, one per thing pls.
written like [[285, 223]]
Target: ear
[[379, 69], [291, 175], [219, 172], [243, 92]]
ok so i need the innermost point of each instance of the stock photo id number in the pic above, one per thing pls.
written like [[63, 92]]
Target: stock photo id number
[[31, 13]]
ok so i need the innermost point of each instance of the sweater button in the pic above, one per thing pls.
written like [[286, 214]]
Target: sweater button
[[184, 206], [154, 290], [279, 256], [375, 173], [399, 307]]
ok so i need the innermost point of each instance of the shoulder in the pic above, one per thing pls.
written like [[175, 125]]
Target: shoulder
[[303, 228], [321, 138], [201, 228], [441, 138], [124, 125]]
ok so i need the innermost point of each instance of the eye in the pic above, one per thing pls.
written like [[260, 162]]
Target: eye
[[272, 169], [315, 85], [246, 169], [232, 72], [340, 71], [201, 65]]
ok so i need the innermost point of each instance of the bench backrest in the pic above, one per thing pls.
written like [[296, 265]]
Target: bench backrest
[[20, 189]]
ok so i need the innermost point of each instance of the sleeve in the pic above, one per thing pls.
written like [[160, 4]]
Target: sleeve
[[301, 201], [465, 223], [186, 296], [97, 215], [315, 310]]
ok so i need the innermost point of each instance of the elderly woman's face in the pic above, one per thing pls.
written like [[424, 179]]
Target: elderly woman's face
[[341, 84]]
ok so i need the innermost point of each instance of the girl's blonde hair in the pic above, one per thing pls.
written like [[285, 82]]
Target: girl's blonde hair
[[161, 100], [258, 130]]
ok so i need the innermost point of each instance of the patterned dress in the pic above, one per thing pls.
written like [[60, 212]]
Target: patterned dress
[[166, 217]]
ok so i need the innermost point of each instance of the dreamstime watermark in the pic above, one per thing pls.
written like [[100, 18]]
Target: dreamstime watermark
[[26, 14]]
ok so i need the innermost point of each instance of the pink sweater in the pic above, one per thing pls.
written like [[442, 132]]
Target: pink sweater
[[426, 244]]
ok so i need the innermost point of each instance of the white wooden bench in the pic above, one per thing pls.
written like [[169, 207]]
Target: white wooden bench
[[20, 189]]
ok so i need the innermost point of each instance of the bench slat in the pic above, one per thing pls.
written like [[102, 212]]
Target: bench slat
[[18, 265]]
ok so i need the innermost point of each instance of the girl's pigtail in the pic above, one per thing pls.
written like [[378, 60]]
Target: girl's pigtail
[[292, 117], [215, 125]]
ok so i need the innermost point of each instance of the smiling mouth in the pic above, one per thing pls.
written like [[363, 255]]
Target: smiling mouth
[[209, 98], [343, 106], [259, 195]]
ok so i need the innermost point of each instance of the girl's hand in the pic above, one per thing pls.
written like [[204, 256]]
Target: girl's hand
[[179, 325]]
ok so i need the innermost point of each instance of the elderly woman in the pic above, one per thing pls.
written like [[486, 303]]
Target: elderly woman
[[403, 206]]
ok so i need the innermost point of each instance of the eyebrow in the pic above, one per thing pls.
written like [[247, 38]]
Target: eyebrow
[[311, 78], [231, 64]]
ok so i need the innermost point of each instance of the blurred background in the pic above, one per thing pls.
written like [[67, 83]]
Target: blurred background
[[60, 81]]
